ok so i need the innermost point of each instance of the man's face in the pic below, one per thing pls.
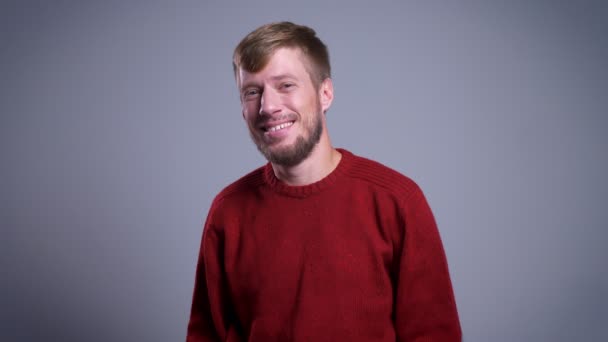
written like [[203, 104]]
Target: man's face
[[282, 108]]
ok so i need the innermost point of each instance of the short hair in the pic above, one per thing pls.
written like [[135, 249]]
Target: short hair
[[254, 51]]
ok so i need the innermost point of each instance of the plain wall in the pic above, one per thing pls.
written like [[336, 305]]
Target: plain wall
[[120, 122]]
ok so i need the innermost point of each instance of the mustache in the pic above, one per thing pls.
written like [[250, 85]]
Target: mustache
[[266, 118]]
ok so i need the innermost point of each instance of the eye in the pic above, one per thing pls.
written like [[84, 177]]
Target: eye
[[251, 93], [287, 85]]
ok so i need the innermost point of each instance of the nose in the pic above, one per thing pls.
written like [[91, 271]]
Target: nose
[[270, 102]]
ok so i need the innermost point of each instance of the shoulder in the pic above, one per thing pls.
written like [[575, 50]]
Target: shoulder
[[249, 183], [228, 204], [231, 197], [378, 175]]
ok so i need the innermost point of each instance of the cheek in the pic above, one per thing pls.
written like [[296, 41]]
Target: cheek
[[250, 111], [301, 106]]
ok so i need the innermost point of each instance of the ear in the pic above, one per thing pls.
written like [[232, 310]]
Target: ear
[[242, 105], [326, 94], [237, 78]]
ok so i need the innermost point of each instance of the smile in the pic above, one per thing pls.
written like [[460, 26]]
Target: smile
[[279, 127]]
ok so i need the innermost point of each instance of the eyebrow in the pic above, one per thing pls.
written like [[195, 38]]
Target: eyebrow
[[272, 78], [283, 76]]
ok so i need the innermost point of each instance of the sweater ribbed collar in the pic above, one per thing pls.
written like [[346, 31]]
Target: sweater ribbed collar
[[301, 191]]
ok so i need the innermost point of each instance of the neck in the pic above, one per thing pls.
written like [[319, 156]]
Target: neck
[[321, 162]]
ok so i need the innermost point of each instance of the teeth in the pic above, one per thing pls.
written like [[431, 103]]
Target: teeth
[[281, 126]]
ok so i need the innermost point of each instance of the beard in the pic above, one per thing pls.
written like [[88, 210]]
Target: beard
[[295, 153]]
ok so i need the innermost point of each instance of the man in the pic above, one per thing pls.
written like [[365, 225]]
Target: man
[[319, 244]]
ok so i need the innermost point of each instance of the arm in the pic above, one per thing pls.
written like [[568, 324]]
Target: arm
[[425, 308], [209, 312]]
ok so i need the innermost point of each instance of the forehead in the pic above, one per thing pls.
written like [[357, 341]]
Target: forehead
[[283, 62]]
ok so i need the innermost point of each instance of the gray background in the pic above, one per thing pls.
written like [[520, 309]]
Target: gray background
[[120, 121]]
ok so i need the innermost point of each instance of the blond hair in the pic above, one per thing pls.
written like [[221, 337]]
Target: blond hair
[[254, 51]]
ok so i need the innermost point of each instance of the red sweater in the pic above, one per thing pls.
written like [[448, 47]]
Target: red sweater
[[353, 257]]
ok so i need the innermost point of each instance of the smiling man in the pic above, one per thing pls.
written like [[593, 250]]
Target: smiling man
[[284, 110], [319, 244]]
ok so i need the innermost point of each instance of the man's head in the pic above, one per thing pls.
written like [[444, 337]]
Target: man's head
[[282, 71], [254, 51]]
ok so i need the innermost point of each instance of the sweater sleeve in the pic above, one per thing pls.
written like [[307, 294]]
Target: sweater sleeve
[[425, 308], [209, 317]]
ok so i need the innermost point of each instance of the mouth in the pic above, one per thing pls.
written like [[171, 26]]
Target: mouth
[[276, 128]]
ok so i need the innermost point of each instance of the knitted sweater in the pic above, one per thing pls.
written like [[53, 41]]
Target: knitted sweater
[[353, 257]]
